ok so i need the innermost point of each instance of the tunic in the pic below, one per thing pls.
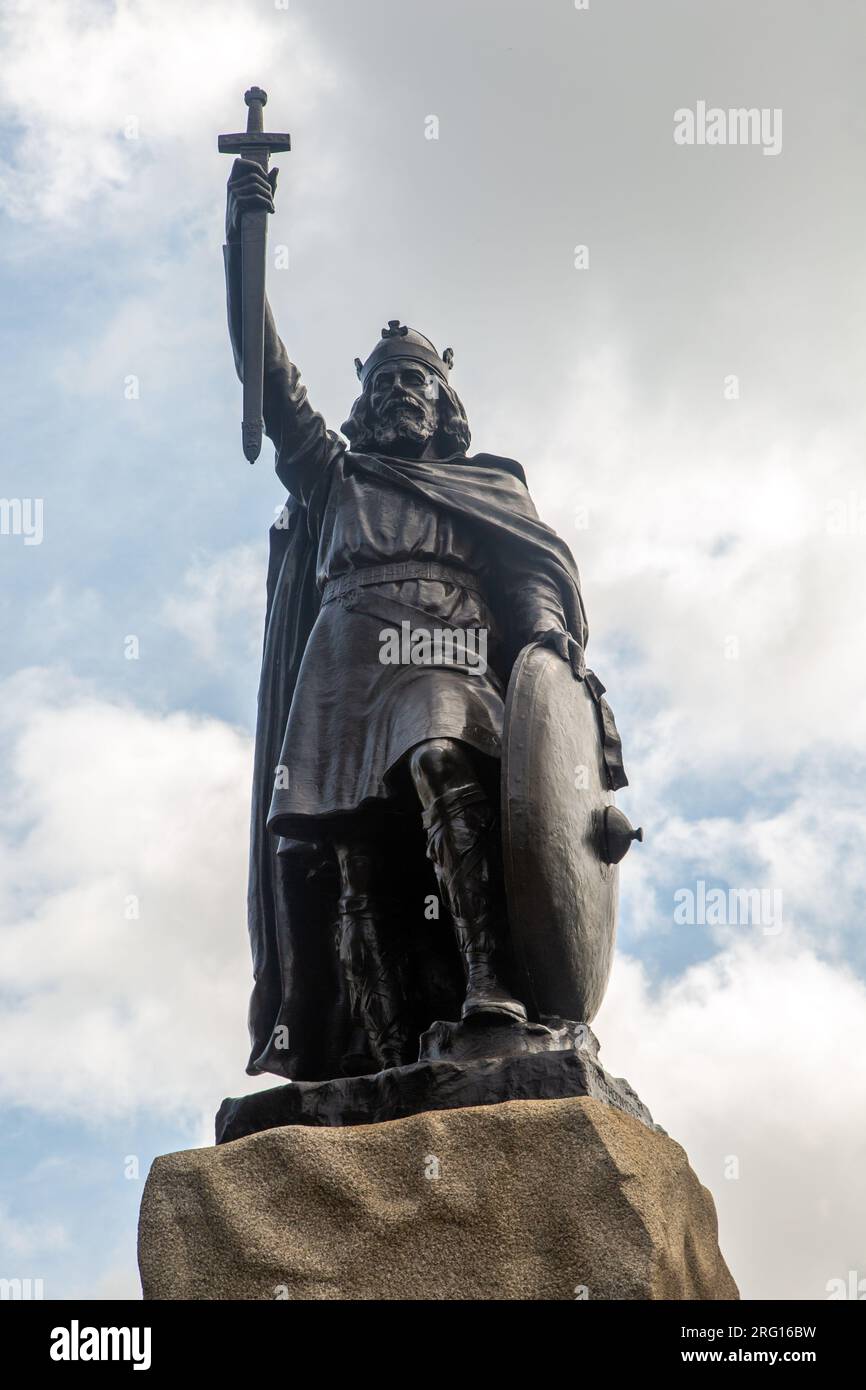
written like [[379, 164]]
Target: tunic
[[354, 715]]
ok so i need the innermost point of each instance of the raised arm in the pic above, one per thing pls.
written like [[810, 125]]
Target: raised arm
[[305, 446]]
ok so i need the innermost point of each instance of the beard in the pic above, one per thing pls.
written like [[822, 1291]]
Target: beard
[[405, 423]]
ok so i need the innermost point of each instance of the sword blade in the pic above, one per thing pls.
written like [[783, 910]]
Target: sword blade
[[254, 239]]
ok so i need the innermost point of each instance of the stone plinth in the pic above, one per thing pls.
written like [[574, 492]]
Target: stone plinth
[[528, 1199]]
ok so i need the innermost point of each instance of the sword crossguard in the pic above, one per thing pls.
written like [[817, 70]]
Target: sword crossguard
[[255, 142]]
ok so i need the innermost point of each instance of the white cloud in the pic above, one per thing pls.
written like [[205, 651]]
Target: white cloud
[[79, 80], [110, 807], [74, 80], [755, 1055], [708, 522], [21, 1239], [222, 598], [809, 851], [120, 1281]]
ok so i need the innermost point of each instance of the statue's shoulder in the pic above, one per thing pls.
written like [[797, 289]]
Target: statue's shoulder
[[499, 463]]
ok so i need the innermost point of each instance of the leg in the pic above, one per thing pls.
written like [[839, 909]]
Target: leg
[[461, 828], [368, 955]]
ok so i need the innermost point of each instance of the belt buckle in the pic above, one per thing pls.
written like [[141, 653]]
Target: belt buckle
[[349, 599]]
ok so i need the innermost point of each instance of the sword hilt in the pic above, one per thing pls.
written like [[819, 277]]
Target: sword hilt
[[255, 142], [256, 100]]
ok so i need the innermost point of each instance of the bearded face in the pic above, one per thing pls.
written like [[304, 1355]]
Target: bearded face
[[403, 408]]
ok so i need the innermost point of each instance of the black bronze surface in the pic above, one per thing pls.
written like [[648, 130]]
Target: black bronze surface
[[256, 145], [437, 1083], [421, 623]]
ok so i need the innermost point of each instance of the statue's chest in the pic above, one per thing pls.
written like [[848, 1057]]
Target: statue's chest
[[367, 525]]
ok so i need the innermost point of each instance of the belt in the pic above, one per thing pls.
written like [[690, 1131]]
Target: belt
[[404, 569]]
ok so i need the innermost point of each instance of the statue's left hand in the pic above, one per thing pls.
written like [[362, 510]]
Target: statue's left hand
[[568, 648]]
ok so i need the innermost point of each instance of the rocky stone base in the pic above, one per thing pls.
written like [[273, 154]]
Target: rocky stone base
[[460, 1065], [530, 1199]]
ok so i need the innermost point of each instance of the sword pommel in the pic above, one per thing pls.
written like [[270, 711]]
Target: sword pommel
[[256, 100]]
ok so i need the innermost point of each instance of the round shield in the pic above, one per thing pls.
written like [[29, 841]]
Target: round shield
[[562, 895]]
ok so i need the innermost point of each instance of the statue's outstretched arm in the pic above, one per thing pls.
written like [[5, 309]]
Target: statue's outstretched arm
[[304, 444]]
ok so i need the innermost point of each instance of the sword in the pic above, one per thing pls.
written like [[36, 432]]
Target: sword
[[253, 143]]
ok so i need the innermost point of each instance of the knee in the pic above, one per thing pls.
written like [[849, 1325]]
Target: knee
[[438, 764]]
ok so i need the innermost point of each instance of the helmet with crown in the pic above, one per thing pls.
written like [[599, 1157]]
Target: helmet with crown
[[401, 342]]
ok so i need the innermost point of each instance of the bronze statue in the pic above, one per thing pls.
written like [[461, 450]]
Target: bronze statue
[[412, 593]]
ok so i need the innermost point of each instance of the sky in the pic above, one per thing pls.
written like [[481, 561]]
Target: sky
[[668, 336]]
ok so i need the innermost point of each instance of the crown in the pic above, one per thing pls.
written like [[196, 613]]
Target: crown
[[399, 341]]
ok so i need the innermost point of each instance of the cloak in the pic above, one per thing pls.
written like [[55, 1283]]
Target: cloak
[[299, 1020]]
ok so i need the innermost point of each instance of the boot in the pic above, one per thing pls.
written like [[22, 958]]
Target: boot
[[372, 975], [461, 830], [484, 993]]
